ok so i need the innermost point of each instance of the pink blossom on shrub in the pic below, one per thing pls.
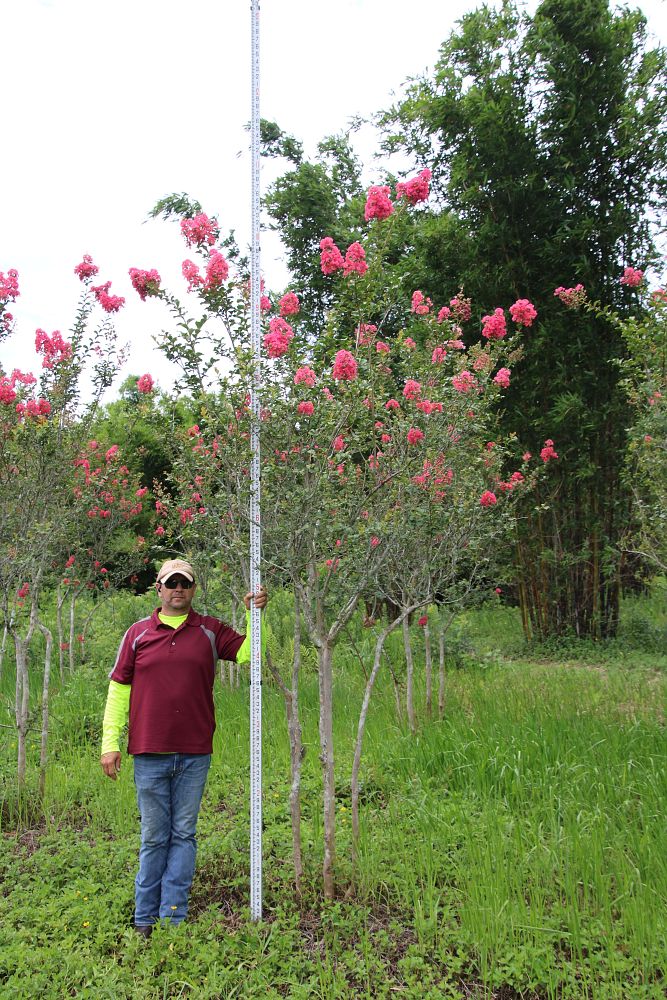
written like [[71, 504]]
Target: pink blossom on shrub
[[365, 334], [572, 298], [9, 285], [385, 438], [378, 203], [488, 499], [494, 327], [409, 343], [503, 378], [86, 269], [423, 621], [289, 304], [523, 312], [465, 382], [217, 271], [392, 404], [200, 230], [355, 260], [145, 282], [632, 277], [23, 592], [425, 406], [444, 314], [54, 348], [375, 541], [548, 452], [345, 367], [415, 435], [438, 356], [461, 308], [145, 383], [331, 259], [456, 345], [305, 376], [278, 339], [412, 389], [482, 362], [110, 303], [339, 443], [7, 391], [111, 453], [381, 347], [265, 304], [416, 189], [306, 408], [420, 305], [191, 274]]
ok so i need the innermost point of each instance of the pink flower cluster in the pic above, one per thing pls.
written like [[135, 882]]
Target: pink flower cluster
[[488, 499], [461, 308], [465, 382], [200, 230], [572, 298], [305, 376], [345, 367], [381, 347], [365, 334], [331, 259], [54, 349], [145, 383], [548, 452], [415, 435], [8, 383], [632, 277], [86, 269], [217, 271], [355, 260], [306, 408], [523, 312], [289, 304], [493, 326], [34, 408], [412, 389], [191, 274], [378, 203], [9, 286], [438, 356], [503, 378], [420, 305], [416, 189], [279, 337], [110, 303], [145, 282], [339, 443]]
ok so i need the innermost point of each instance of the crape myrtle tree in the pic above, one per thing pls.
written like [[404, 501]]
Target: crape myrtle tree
[[360, 444], [43, 427], [546, 137]]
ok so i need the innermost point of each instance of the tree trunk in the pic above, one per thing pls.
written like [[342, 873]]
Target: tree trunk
[[45, 710], [296, 750], [22, 694], [3, 647], [325, 671], [354, 783], [428, 668], [409, 679], [72, 631]]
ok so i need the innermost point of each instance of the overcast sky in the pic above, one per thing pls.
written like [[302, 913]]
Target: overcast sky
[[110, 105]]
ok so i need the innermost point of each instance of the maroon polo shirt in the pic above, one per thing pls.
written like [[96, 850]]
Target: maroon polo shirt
[[172, 672]]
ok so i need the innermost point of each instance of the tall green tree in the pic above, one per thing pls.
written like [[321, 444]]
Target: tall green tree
[[546, 136]]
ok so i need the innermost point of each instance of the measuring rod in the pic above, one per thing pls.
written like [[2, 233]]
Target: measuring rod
[[255, 522]]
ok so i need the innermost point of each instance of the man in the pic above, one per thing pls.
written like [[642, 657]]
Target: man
[[163, 678]]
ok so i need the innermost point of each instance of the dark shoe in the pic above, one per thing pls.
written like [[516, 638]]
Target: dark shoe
[[145, 930]]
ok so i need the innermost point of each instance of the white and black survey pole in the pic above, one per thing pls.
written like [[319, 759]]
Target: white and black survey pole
[[255, 520]]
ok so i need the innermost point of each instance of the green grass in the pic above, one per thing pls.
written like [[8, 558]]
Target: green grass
[[515, 849]]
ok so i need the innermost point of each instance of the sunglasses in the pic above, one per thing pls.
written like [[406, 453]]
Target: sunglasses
[[177, 581]]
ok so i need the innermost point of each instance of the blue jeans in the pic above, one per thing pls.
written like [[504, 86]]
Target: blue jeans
[[169, 791]]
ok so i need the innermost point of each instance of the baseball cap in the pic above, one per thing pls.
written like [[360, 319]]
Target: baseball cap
[[172, 566]]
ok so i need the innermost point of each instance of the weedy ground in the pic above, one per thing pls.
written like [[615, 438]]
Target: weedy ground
[[516, 848]]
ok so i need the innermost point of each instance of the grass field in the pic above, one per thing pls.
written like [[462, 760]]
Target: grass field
[[515, 849]]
